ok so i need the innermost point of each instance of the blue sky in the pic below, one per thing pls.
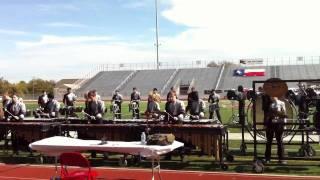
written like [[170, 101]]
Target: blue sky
[[54, 39]]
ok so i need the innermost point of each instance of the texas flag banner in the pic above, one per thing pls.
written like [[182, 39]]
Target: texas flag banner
[[249, 72]]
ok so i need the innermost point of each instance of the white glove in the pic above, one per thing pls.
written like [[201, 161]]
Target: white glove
[[201, 115], [180, 117], [52, 114], [175, 118], [99, 116], [16, 117], [92, 117], [21, 117]]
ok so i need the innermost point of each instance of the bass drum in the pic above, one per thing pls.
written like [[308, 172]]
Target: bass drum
[[291, 112]]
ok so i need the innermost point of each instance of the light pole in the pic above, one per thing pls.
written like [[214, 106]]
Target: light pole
[[33, 88], [157, 34]]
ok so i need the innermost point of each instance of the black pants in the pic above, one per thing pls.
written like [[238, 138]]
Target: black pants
[[277, 130], [217, 111], [241, 114]]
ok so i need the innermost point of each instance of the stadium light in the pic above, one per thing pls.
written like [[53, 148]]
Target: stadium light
[[157, 35]]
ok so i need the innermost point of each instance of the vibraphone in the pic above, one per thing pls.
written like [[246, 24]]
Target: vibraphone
[[204, 135], [23, 133]]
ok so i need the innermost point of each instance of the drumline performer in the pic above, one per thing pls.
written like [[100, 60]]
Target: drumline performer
[[195, 106], [16, 109], [42, 99], [175, 109], [214, 105], [275, 126], [153, 108], [192, 96], [69, 100], [241, 97], [117, 99], [156, 95], [135, 98], [94, 108], [52, 107]]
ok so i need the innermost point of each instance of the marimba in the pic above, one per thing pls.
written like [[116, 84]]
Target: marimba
[[200, 133]]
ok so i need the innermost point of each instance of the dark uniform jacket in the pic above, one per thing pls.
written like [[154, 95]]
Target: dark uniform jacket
[[94, 107], [135, 96], [69, 99]]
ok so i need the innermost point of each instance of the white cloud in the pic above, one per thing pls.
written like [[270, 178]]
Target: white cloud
[[57, 7], [12, 32], [246, 27], [47, 40], [64, 24], [56, 57]]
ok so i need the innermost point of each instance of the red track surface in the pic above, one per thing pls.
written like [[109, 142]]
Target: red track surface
[[31, 172]]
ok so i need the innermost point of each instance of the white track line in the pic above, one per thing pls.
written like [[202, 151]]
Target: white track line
[[20, 178]]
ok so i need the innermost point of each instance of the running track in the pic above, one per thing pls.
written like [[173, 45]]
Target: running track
[[44, 172]]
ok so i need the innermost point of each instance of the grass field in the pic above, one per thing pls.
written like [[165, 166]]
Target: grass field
[[225, 109]]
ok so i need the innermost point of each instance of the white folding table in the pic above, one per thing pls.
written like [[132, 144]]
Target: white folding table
[[54, 146]]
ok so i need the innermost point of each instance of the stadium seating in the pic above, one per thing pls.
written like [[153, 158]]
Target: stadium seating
[[146, 80], [205, 78], [106, 82]]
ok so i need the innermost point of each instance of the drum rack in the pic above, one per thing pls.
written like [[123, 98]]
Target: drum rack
[[304, 128]]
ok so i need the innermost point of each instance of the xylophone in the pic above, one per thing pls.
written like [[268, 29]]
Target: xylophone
[[23, 133], [200, 133]]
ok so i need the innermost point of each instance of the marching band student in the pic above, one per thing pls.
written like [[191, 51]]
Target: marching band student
[[117, 99], [153, 108], [6, 100], [69, 100], [156, 95], [135, 98], [98, 97], [195, 106], [171, 89], [16, 110], [175, 108], [214, 105], [52, 107], [42, 99], [275, 125], [241, 97], [94, 108]]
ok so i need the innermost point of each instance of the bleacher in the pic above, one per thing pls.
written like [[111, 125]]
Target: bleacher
[[146, 80], [106, 82], [204, 78]]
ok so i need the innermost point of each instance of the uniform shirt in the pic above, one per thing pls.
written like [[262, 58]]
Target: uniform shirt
[[135, 96], [52, 106], [117, 98], [94, 107], [17, 108], [214, 98], [175, 108], [278, 107], [42, 100], [156, 97], [69, 99]]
